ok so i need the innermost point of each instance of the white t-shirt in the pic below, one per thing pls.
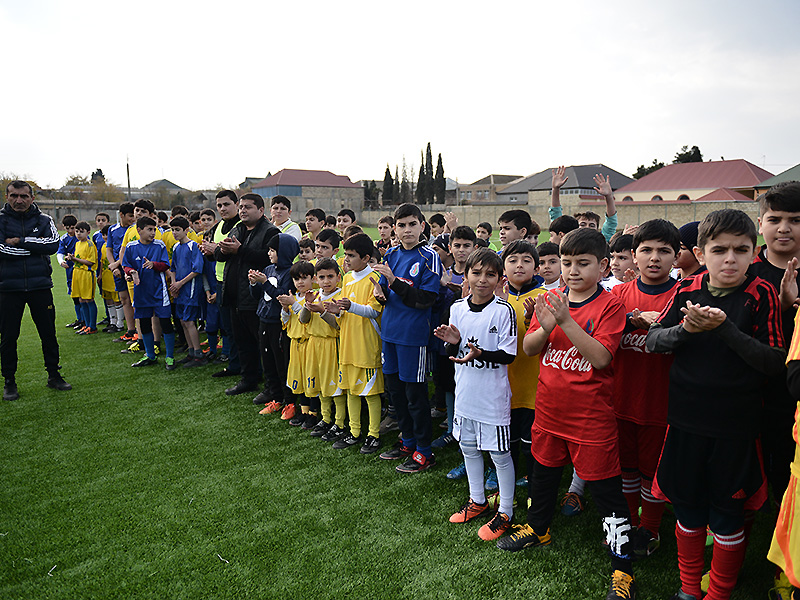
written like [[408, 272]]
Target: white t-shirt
[[607, 283], [482, 390]]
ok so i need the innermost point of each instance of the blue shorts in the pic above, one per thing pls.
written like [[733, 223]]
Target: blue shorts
[[146, 312], [187, 312], [120, 285], [409, 361]]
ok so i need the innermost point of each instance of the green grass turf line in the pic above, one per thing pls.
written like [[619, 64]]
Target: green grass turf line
[[138, 483]]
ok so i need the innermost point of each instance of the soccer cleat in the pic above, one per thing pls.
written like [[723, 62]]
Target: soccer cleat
[[523, 536], [418, 462], [272, 407], [80, 330], [437, 413], [346, 441], [186, 359], [388, 424], [470, 510], [491, 480], [288, 411], [157, 349], [169, 363], [87, 331], [333, 434], [73, 324], [494, 501], [320, 429], [458, 473], [522, 481], [134, 347], [681, 596], [622, 586], [443, 440], [240, 388], [371, 445], [195, 362], [571, 504], [297, 420], [399, 450], [145, 362], [492, 530], [644, 542], [10, 391], [127, 337], [310, 422], [782, 589], [57, 383]]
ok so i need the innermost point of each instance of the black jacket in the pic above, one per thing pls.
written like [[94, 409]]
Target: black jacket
[[252, 254], [26, 266]]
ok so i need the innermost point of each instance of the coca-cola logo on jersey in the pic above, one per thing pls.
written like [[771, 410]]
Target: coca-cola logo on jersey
[[566, 360], [634, 341]]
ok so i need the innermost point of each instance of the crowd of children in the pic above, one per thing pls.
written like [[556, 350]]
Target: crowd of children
[[651, 359]]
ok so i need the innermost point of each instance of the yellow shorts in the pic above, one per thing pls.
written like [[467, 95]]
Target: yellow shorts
[[322, 367], [111, 297], [359, 381], [83, 284], [785, 549], [130, 290], [295, 377]]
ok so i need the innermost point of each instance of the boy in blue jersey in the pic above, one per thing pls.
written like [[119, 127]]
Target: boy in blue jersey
[[145, 261], [187, 267], [66, 245], [100, 220], [116, 233], [409, 286]]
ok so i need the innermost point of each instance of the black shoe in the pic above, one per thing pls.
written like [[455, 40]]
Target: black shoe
[[418, 462], [346, 441], [320, 429], [145, 362], [240, 388], [195, 362], [105, 321], [80, 325], [310, 422], [334, 433], [623, 587], [73, 324], [298, 419], [399, 450], [57, 383], [10, 391], [262, 398], [224, 373], [371, 445], [109, 329], [221, 358], [184, 360]]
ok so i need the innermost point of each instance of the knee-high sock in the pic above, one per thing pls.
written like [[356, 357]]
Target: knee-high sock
[[506, 481], [149, 344], [632, 489], [325, 407], [577, 485], [169, 344], [354, 412], [78, 310], [84, 310], [341, 409], [91, 310], [374, 408], [473, 460], [450, 402], [691, 545], [725, 564], [652, 508]]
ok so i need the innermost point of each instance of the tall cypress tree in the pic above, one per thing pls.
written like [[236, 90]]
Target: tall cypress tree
[[428, 175], [439, 185], [420, 191], [396, 187], [388, 186]]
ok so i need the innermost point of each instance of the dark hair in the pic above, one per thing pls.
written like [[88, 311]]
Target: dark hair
[[408, 210], [437, 219], [69, 220], [376, 254], [126, 208], [784, 196], [535, 229], [327, 264], [102, 214], [584, 241], [352, 230], [520, 247], [426, 231], [162, 216], [463, 232], [387, 219], [227, 194], [658, 229], [728, 220], [621, 242], [486, 225], [520, 218], [346, 212], [589, 215], [689, 234], [180, 209], [195, 216], [547, 249], [330, 220], [486, 258], [307, 243], [361, 244], [18, 184], [317, 213], [331, 236], [481, 243], [254, 198], [180, 221], [301, 268], [83, 226], [145, 222], [281, 200], [210, 212], [104, 230], [145, 204], [564, 224]]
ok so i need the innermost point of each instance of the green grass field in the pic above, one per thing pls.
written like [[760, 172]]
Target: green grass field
[[150, 484]]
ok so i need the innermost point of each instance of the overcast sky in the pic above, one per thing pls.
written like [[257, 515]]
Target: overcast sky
[[207, 93]]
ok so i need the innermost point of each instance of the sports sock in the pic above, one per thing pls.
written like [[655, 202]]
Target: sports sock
[[578, 485], [725, 564], [120, 316], [213, 339], [341, 409], [169, 344], [691, 545], [84, 313], [108, 315], [506, 482], [149, 345], [354, 411], [652, 508], [91, 309], [632, 489], [450, 402], [78, 310], [374, 408], [473, 461], [325, 408]]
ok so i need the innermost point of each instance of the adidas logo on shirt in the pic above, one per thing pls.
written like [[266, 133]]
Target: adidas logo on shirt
[[493, 329]]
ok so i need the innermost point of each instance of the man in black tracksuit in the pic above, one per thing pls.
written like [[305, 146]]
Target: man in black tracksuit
[[28, 238]]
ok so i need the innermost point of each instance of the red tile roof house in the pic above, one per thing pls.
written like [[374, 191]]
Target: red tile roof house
[[312, 189]]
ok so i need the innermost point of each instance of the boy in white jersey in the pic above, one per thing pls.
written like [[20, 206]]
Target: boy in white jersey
[[482, 338]]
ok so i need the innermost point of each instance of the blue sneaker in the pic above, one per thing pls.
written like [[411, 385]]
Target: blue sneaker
[[458, 473], [443, 440], [522, 481], [491, 480], [571, 504]]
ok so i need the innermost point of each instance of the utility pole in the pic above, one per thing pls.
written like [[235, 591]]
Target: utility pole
[[128, 169]]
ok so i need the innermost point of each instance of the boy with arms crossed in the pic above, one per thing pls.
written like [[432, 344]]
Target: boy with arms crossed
[[187, 269], [724, 330], [577, 334], [84, 258]]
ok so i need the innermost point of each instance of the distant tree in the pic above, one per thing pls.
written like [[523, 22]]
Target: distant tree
[[102, 191], [641, 171], [420, 192], [439, 184], [77, 179], [688, 156], [388, 186], [97, 176], [366, 191], [405, 185], [428, 175], [396, 189], [6, 178]]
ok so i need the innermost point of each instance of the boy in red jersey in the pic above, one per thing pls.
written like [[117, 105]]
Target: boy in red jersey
[[577, 331], [641, 380], [724, 330]]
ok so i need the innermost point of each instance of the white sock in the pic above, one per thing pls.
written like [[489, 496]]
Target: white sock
[[577, 485], [504, 465], [473, 460]]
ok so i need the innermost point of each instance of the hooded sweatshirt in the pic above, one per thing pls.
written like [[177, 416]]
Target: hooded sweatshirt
[[278, 279]]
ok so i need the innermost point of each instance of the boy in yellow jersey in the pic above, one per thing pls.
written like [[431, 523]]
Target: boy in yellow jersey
[[83, 277], [322, 349], [360, 372], [340, 257], [108, 289]]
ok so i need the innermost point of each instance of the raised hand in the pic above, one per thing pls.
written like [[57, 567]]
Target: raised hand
[[450, 221], [377, 290], [602, 186], [788, 290], [628, 275], [285, 300], [559, 177], [529, 306], [543, 313]]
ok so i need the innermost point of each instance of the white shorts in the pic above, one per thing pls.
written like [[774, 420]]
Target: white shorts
[[492, 438]]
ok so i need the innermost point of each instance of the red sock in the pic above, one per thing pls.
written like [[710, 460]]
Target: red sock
[[725, 564], [691, 545], [652, 509], [631, 489]]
